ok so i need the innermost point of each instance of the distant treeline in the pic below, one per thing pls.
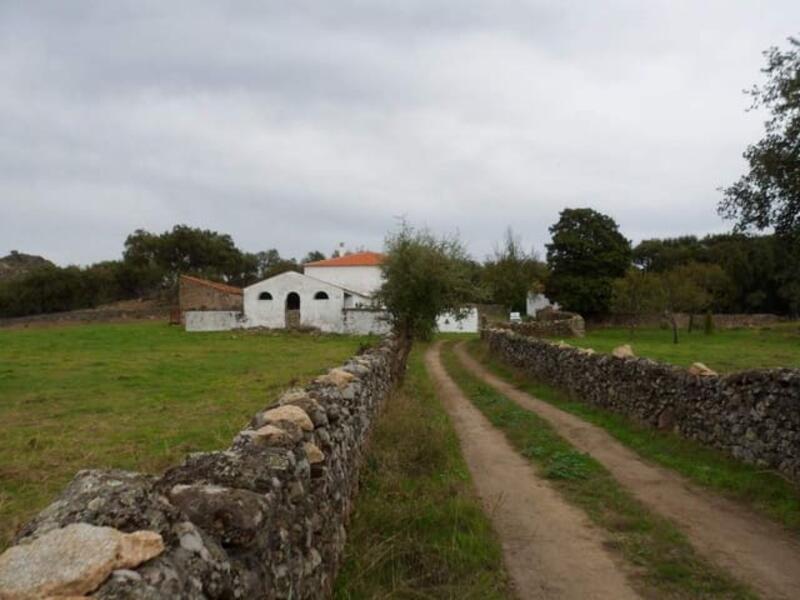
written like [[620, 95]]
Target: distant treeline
[[150, 268], [587, 261], [761, 273]]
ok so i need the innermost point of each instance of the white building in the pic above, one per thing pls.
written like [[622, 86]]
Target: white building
[[536, 302], [333, 295]]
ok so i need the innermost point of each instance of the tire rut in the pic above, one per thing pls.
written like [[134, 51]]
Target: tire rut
[[750, 547], [549, 547]]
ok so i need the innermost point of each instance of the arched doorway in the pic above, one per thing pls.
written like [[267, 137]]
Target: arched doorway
[[292, 310]]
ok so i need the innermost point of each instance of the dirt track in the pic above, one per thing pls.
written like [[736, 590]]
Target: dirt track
[[549, 547], [750, 547]]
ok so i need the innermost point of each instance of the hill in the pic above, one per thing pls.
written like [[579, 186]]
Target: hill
[[17, 264]]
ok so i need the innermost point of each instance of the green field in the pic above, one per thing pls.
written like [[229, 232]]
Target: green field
[[133, 396], [724, 350]]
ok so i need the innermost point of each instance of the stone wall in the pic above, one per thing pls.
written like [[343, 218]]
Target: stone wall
[[264, 518], [551, 324], [721, 321], [752, 415]]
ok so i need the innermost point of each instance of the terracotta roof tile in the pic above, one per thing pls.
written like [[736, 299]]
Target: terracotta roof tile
[[220, 287], [358, 259]]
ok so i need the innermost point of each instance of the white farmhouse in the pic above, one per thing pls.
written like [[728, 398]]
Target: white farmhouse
[[334, 295]]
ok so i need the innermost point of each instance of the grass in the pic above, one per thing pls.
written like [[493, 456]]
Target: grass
[[663, 563], [418, 530], [132, 396], [724, 350], [765, 491]]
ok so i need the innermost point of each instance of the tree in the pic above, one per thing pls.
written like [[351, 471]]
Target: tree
[[682, 294], [757, 267], [586, 254], [189, 250], [769, 194], [713, 282], [662, 255], [270, 263], [313, 256], [638, 293], [424, 277], [512, 273]]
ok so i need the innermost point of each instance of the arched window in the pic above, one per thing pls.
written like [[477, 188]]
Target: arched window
[[265, 296], [321, 296]]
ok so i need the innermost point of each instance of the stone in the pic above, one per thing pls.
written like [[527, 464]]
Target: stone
[[313, 453], [302, 400], [72, 560], [701, 370], [292, 414], [624, 351], [338, 377], [270, 435], [666, 419], [233, 516], [254, 468]]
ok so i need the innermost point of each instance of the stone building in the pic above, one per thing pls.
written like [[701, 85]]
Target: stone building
[[195, 294]]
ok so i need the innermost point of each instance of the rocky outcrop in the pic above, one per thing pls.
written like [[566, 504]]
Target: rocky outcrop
[[17, 264], [752, 415], [262, 519]]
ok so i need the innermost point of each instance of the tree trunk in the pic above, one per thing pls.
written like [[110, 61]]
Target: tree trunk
[[691, 322], [674, 328]]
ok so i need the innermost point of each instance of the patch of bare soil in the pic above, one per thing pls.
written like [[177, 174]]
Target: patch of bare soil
[[751, 548], [550, 548]]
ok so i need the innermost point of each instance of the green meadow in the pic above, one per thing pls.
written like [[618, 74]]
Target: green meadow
[[724, 350], [133, 396]]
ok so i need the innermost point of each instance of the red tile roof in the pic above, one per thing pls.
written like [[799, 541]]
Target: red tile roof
[[220, 287], [359, 259]]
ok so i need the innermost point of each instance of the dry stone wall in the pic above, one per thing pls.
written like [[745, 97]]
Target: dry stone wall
[[264, 518], [752, 415], [552, 324], [721, 320]]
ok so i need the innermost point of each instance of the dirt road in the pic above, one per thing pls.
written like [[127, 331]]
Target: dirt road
[[750, 547], [549, 547]]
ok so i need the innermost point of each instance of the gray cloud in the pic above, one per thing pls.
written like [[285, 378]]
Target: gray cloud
[[304, 124]]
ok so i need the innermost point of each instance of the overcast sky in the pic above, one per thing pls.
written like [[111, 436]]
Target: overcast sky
[[299, 125]]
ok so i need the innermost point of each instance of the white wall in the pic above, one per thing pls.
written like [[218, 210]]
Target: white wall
[[214, 320], [536, 302], [447, 323], [360, 279], [326, 315], [360, 321]]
